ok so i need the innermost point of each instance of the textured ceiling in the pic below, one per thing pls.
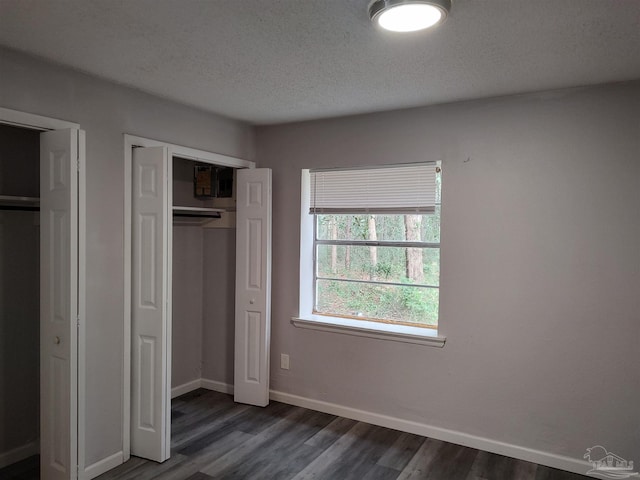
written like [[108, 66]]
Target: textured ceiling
[[271, 61]]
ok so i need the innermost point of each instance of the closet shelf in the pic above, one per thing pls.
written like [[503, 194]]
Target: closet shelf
[[11, 202], [197, 211], [195, 215]]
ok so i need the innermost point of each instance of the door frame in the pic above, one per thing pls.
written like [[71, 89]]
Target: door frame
[[42, 124], [130, 142]]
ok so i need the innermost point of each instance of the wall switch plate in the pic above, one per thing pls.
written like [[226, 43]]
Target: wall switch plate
[[284, 361]]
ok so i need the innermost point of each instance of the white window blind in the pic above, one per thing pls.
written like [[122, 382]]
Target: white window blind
[[402, 189]]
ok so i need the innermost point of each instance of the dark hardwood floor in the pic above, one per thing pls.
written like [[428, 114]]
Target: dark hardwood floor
[[214, 438]]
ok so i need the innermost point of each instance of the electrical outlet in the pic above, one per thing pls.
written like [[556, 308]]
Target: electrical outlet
[[284, 361]]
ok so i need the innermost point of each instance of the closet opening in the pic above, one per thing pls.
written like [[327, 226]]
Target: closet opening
[[42, 295], [197, 283], [19, 299], [203, 274], [203, 268]]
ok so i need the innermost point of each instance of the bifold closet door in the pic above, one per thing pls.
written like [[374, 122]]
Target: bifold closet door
[[60, 157], [150, 372], [253, 286]]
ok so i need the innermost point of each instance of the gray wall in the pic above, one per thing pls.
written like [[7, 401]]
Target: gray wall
[[186, 328], [204, 270], [106, 111], [19, 162], [19, 287], [540, 274], [219, 304]]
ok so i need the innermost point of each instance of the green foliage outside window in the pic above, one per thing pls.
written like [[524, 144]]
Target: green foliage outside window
[[391, 282], [360, 263]]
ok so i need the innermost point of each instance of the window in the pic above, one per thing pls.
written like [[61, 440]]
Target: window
[[376, 243]]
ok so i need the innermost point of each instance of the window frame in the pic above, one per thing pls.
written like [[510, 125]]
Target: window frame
[[306, 317]]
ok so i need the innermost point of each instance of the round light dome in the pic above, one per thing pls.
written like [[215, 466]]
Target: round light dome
[[408, 15]]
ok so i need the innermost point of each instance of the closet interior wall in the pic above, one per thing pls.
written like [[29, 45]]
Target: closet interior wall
[[19, 295], [203, 291], [218, 332]]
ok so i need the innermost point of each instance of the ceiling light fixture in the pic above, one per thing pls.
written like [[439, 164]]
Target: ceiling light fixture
[[408, 15]]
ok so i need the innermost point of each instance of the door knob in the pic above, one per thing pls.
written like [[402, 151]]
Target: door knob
[[56, 340], [252, 301]]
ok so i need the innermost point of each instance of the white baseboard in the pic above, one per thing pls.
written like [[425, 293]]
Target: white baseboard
[[185, 388], [201, 383], [102, 466], [459, 438], [575, 465], [216, 386], [18, 454]]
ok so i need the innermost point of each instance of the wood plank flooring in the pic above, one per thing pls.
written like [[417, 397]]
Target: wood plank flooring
[[214, 438]]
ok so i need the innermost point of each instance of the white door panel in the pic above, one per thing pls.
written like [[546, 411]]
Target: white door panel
[[253, 286], [150, 413], [59, 160]]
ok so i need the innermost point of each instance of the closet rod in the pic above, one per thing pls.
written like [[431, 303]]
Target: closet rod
[[197, 215], [23, 208]]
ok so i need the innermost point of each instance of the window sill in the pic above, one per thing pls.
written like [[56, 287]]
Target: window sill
[[362, 328]]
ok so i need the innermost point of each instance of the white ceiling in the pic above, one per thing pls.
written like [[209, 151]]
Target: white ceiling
[[271, 61]]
